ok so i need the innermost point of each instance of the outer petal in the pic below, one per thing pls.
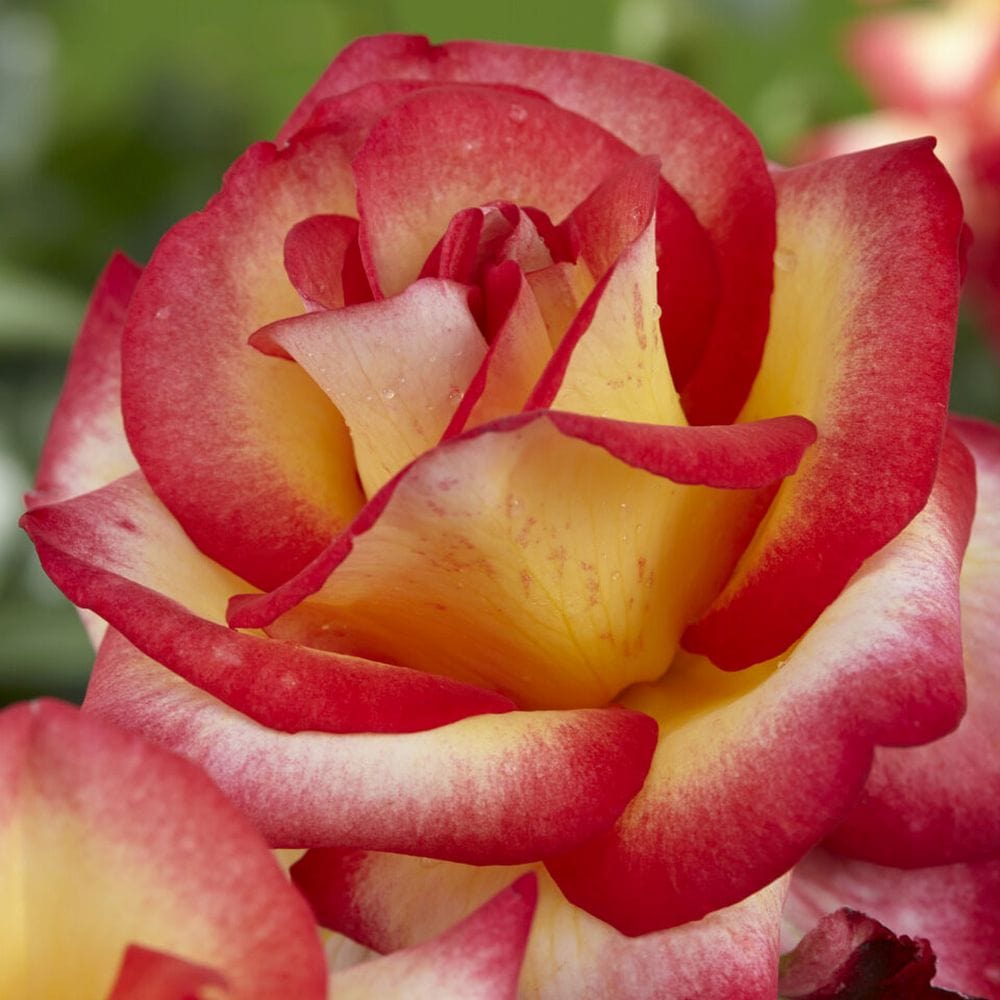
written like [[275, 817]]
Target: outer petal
[[753, 768], [395, 369], [118, 551], [86, 446], [861, 339], [106, 840], [708, 156], [540, 526], [226, 414], [924, 60], [953, 906], [389, 902], [477, 145], [930, 805], [497, 789], [477, 959]]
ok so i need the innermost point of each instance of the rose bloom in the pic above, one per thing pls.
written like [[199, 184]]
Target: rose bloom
[[936, 70], [507, 473]]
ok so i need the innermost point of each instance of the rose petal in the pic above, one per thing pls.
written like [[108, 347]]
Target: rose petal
[[106, 841], [709, 157], [226, 414], [389, 902], [395, 369], [953, 906], [476, 146], [611, 363], [323, 262], [86, 446], [861, 340], [477, 959], [146, 974], [540, 528], [499, 789], [926, 805], [752, 768], [120, 552], [516, 358], [924, 60]]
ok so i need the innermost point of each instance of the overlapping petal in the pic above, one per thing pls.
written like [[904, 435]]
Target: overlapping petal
[[708, 156], [861, 338], [931, 804], [497, 558], [388, 902], [485, 790], [477, 959], [106, 841], [753, 768], [120, 553], [227, 414]]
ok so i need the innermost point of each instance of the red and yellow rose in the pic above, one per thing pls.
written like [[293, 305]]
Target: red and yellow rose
[[506, 472]]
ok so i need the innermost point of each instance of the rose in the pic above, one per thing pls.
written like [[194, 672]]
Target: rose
[[127, 874], [453, 590], [936, 71]]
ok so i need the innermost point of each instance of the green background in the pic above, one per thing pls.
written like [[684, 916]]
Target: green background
[[117, 118]]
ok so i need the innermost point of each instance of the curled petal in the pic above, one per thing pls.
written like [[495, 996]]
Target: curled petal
[[494, 790], [926, 805], [952, 906], [323, 262], [146, 974], [477, 959], [395, 369], [107, 841], [388, 902], [120, 553], [754, 767], [226, 414], [862, 331]]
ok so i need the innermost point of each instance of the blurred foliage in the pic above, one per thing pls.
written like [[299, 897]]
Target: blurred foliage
[[117, 118]]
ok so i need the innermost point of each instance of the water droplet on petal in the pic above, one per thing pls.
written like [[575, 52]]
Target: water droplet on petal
[[163, 313], [657, 311], [616, 576], [517, 113], [388, 394]]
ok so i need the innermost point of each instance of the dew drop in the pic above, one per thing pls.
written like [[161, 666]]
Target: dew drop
[[784, 260], [616, 576], [163, 313], [517, 113], [388, 394], [454, 394], [657, 311]]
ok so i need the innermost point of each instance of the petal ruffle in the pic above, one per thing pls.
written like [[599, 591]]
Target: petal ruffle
[[226, 414], [497, 789], [538, 556], [477, 959], [708, 156], [388, 902], [753, 767], [119, 552], [862, 331], [952, 906], [928, 805], [86, 445], [106, 841]]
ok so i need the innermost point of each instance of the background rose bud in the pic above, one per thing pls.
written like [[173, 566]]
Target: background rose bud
[[509, 389]]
